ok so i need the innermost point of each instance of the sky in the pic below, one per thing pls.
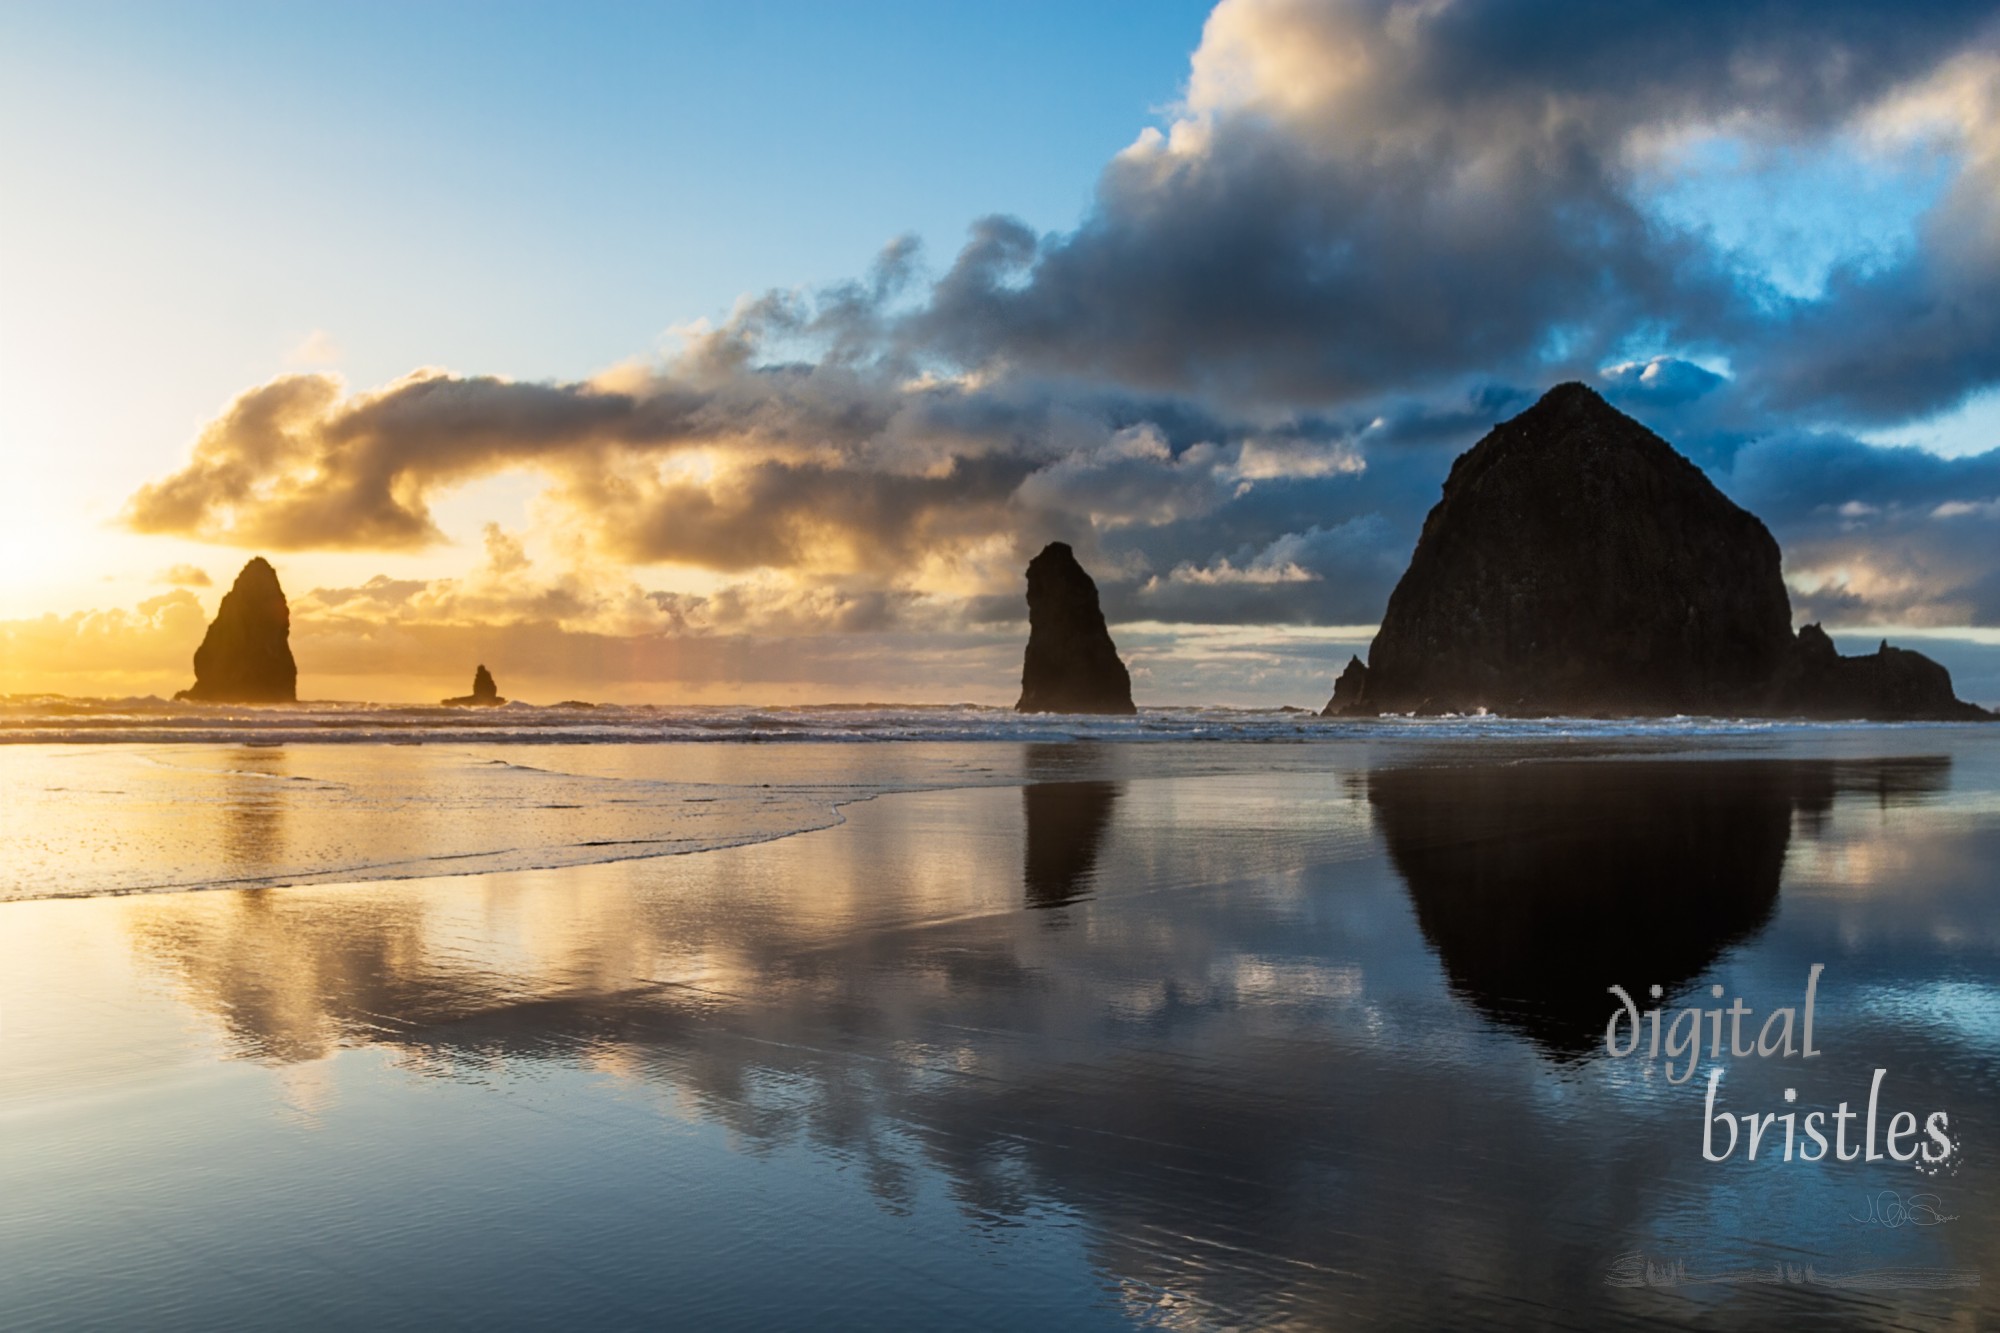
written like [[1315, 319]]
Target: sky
[[709, 352]]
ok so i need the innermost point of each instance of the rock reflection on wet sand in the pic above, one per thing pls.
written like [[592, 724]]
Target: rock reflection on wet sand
[[1266, 1047]]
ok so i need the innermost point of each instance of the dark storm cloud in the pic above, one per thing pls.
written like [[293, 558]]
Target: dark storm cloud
[[778, 515], [1875, 534], [1789, 476], [1891, 345], [1370, 195]]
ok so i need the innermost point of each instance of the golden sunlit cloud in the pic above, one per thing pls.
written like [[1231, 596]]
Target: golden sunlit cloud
[[185, 576], [892, 485]]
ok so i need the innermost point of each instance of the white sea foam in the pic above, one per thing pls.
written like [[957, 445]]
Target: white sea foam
[[44, 719], [145, 795]]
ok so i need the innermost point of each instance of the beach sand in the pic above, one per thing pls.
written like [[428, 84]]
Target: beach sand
[[1009, 1035]]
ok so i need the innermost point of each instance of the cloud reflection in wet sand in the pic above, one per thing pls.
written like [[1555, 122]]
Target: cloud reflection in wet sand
[[1241, 1068]]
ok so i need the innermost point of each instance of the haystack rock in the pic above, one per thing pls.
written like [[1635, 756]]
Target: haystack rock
[[246, 656], [1577, 563], [1071, 665], [485, 694]]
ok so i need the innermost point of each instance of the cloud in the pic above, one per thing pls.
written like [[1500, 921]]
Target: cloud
[[1659, 381], [816, 470], [114, 652], [1359, 195], [293, 465], [1337, 575], [184, 576], [316, 349], [298, 464], [504, 552], [1876, 535], [1923, 333], [1371, 229]]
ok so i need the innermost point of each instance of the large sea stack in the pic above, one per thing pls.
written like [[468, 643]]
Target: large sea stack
[[1071, 666], [246, 656], [1578, 564]]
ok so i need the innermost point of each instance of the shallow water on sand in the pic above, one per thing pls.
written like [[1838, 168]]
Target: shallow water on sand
[[1058, 1034]]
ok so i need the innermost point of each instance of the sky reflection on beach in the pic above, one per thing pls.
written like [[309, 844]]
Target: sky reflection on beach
[[1266, 1045]]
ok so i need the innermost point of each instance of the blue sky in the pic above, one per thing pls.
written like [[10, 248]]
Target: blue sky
[[528, 190], [1217, 304], [539, 190]]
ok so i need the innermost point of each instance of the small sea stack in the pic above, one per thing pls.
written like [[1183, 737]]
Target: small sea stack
[[1350, 691], [485, 694], [1071, 664], [246, 656]]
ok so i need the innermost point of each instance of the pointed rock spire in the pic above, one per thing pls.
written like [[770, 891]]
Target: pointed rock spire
[[1350, 692], [1071, 664], [246, 656], [485, 694]]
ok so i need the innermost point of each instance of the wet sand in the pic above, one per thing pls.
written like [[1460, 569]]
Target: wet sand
[[1271, 1036]]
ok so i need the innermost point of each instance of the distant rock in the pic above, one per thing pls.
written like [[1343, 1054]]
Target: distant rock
[[246, 656], [1890, 684], [484, 693], [1071, 664], [1577, 563]]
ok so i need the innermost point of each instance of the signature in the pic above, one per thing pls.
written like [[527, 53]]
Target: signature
[[1892, 1210], [1640, 1270]]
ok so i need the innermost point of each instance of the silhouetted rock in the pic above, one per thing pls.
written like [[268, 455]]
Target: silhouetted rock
[[1577, 563], [1890, 684], [1071, 665], [1350, 692], [246, 656], [484, 693]]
